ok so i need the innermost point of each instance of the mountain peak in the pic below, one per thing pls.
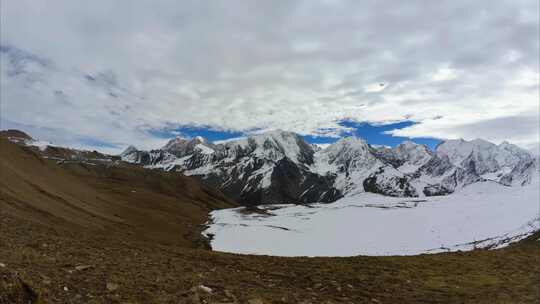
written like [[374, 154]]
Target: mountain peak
[[129, 150], [181, 146], [481, 142], [352, 140], [275, 133], [276, 144], [199, 139], [409, 144], [174, 142], [348, 147]]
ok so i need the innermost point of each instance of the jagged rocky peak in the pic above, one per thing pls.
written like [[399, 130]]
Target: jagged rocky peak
[[516, 151], [181, 146], [411, 156], [177, 143], [505, 163], [274, 145], [129, 154], [409, 145], [129, 150], [357, 168], [408, 149], [459, 149], [347, 148], [280, 167]]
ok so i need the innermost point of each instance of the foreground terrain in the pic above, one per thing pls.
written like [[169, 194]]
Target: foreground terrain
[[47, 262], [93, 232]]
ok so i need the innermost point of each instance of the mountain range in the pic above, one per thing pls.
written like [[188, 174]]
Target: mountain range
[[281, 167], [86, 227]]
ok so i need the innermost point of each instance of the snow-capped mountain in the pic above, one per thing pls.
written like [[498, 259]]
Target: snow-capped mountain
[[358, 169], [280, 167], [181, 146], [262, 168], [505, 163]]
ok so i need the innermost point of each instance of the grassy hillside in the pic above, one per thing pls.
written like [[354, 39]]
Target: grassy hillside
[[99, 198]]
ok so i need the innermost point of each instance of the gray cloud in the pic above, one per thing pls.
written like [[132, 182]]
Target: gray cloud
[[298, 65]]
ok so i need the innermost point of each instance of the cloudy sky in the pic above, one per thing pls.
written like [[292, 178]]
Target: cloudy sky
[[110, 73]]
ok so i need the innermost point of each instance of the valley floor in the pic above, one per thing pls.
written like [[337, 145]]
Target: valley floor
[[481, 215]]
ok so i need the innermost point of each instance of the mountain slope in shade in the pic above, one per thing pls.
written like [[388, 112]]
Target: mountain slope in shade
[[280, 167]]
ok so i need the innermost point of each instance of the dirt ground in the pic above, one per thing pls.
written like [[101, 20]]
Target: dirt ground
[[98, 233]]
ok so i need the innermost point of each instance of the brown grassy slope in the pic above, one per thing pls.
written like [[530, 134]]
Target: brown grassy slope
[[54, 218], [124, 200]]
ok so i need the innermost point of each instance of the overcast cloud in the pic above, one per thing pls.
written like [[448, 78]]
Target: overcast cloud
[[112, 70]]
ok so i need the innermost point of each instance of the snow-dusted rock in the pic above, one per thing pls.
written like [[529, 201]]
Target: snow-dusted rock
[[280, 167], [263, 168], [181, 147], [412, 156], [357, 168], [390, 182]]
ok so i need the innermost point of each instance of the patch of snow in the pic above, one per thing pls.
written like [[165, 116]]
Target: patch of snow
[[482, 215], [223, 141], [40, 144], [408, 168], [204, 149], [323, 146]]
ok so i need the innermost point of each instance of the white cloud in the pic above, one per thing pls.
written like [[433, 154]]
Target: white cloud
[[113, 70], [445, 73], [375, 87]]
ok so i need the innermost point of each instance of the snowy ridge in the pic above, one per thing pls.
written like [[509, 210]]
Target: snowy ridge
[[262, 168], [505, 163], [272, 145], [280, 167]]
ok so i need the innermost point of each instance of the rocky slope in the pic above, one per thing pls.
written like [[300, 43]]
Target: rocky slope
[[278, 166]]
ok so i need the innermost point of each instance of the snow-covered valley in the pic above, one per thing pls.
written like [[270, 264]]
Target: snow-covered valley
[[481, 215], [352, 198]]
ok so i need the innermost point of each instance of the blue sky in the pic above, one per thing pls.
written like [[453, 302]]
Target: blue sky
[[373, 133]]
